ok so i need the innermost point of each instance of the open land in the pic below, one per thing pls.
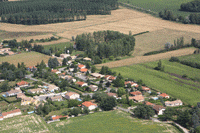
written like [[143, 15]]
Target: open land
[[170, 81], [159, 5], [29, 58], [28, 123], [122, 20], [192, 58], [111, 121]]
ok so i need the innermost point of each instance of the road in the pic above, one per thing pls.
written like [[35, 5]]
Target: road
[[126, 110], [30, 77]]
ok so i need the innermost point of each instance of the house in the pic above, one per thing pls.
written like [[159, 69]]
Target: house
[[136, 93], [31, 68], [148, 103], [81, 84], [89, 105], [173, 103], [57, 118], [112, 78], [97, 75], [159, 109], [87, 59], [22, 84], [130, 82], [81, 66], [64, 55], [93, 87], [52, 88], [83, 70], [107, 77], [55, 71], [72, 95], [20, 95], [13, 92], [11, 113], [33, 91], [137, 98], [146, 89], [56, 98], [112, 95], [26, 100], [73, 57], [71, 69], [164, 95], [69, 78]]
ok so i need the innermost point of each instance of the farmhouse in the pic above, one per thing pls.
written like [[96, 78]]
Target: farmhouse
[[136, 93], [81, 84], [72, 95], [138, 98], [164, 95], [11, 113], [22, 84], [159, 109], [89, 105], [56, 98], [97, 75], [52, 88], [130, 82], [13, 92], [33, 91], [93, 87], [174, 103]]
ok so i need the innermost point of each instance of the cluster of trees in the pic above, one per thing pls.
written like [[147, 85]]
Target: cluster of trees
[[188, 118], [105, 44], [160, 66], [49, 11], [144, 111], [193, 6], [53, 63], [106, 71], [10, 72]]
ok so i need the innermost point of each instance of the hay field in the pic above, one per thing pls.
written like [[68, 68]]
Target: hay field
[[142, 59], [23, 124], [29, 58]]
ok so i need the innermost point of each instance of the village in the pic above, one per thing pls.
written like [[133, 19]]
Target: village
[[84, 81]]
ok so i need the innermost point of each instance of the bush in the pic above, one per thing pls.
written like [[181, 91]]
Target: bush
[[174, 59]]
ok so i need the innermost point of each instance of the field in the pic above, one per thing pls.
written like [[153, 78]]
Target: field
[[142, 59], [58, 45], [22, 124], [170, 81], [159, 5], [193, 58], [123, 20], [29, 58], [112, 121]]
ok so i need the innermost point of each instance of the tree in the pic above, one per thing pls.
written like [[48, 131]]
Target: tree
[[86, 110], [4, 87], [119, 81], [168, 114], [108, 103], [144, 111], [195, 120], [121, 91], [64, 62], [75, 111], [88, 65], [93, 69], [184, 119], [159, 67], [108, 84]]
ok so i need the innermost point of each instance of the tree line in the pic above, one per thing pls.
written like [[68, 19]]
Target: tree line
[[193, 6], [105, 44], [49, 11]]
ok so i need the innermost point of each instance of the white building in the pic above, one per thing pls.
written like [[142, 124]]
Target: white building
[[174, 103], [89, 105], [72, 95]]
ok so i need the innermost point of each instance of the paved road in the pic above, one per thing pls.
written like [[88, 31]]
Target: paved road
[[30, 77], [61, 69], [126, 110]]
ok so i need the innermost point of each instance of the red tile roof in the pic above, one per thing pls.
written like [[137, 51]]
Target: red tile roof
[[148, 103], [81, 65], [88, 104], [163, 95], [137, 98], [145, 88], [58, 117], [136, 93], [1, 116], [11, 112], [111, 94], [80, 83], [112, 78], [22, 83], [84, 70], [54, 70], [71, 93]]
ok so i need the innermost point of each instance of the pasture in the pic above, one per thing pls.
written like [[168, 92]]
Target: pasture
[[170, 81], [123, 20], [22, 124], [111, 121], [159, 5], [29, 58], [60, 46], [193, 58]]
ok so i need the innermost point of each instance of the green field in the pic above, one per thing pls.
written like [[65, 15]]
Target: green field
[[159, 5], [170, 81], [193, 58], [23, 124], [60, 46], [112, 121]]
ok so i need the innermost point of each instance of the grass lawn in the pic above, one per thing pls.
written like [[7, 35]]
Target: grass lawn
[[29, 58], [60, 46], [170, 81], [75, 52], [111, 121], [193, 58], [159, 5], [28, 123]]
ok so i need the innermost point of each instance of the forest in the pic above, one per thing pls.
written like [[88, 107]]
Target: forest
[[105, 44], [48, 11]]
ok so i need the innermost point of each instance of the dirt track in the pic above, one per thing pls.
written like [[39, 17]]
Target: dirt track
[[142, 59]]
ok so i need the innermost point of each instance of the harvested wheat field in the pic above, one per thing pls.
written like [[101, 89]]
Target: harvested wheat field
[[122, 20], [142, 59]]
